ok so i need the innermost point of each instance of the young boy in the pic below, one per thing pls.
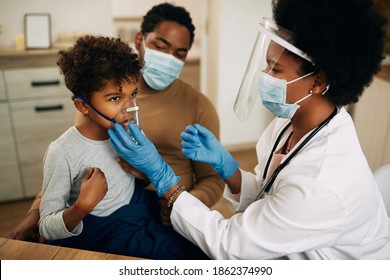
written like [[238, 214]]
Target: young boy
[[88, 201]]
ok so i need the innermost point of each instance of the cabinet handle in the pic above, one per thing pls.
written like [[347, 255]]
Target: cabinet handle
[[49, 108], [45, 83]]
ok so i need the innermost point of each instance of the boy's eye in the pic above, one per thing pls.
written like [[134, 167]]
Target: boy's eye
[[114, 99]]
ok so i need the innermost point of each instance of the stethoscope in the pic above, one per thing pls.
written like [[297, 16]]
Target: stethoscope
[[267, 187]]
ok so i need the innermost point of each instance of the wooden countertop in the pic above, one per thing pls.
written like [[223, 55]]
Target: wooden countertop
[[21, 250], [11, 58]]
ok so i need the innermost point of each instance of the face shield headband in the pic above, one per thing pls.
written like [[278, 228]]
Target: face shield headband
[[271, 42]]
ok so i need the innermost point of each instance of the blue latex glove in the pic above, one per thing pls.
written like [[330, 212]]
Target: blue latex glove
[[200, 144], [143, 155]]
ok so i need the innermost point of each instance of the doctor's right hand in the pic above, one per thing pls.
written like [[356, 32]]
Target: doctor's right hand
[[200, 144], [139, 152]]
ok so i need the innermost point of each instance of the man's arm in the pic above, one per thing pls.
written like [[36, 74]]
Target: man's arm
[[208, 186], [28, 229]]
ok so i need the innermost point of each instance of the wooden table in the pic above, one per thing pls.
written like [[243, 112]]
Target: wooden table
[[21, 250]]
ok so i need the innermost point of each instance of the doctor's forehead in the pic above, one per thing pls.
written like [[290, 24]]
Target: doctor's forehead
[[274, 50], [277, 54]]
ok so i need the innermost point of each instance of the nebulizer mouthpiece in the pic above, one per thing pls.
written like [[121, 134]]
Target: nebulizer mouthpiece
[[129, 114]]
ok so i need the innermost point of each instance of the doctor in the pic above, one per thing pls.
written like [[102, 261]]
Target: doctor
[[313, 195]]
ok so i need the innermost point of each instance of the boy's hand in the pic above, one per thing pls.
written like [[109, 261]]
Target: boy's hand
[[93, 189]]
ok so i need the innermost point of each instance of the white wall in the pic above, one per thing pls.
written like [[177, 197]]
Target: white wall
[[136, 9], [233, 27], [92, 16]]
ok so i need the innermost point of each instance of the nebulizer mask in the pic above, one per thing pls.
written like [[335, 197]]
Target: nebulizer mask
[[127, 114], [260, 77]]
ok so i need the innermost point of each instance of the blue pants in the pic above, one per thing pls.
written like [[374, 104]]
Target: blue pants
[[133, 230]]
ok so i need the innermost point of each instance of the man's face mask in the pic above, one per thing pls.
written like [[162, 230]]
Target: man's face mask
[[160, 69]]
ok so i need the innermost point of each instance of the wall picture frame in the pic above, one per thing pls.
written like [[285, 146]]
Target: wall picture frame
[[37, 31]]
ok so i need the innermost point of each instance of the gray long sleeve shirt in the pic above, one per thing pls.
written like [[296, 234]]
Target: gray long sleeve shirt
[[65, 162]]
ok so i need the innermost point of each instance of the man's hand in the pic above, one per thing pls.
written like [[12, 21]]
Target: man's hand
[[165, 213], [28, 229], [133, 171]]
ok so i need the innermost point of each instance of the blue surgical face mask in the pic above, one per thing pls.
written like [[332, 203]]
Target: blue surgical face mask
[[160, 69], [273, 93]]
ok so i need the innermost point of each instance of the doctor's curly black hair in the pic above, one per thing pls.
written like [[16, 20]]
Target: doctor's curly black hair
[[93, 60], [344, 38], [167, 12]]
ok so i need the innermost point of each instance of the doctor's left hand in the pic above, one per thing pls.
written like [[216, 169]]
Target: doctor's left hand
[[200, 144], [143, 155]]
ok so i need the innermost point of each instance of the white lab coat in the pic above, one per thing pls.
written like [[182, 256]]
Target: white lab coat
[[323, 205]]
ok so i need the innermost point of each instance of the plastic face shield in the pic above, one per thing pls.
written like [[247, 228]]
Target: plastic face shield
[[271, 42]]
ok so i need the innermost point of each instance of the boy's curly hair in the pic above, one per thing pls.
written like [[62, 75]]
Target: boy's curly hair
[[92, 61], [344, 38], [167, 12]]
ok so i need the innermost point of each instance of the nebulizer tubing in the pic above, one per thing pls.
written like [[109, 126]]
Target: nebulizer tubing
[[122, 115], [96, 110]]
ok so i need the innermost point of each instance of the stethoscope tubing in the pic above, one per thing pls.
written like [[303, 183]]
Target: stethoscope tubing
[[267, 187]]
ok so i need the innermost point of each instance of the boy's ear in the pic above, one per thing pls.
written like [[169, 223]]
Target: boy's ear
[[139, 37], [81, 106]]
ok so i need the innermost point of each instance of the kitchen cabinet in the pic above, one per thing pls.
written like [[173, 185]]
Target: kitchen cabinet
[[10, 180], [34, 83], [36, 108], [36, 124]]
